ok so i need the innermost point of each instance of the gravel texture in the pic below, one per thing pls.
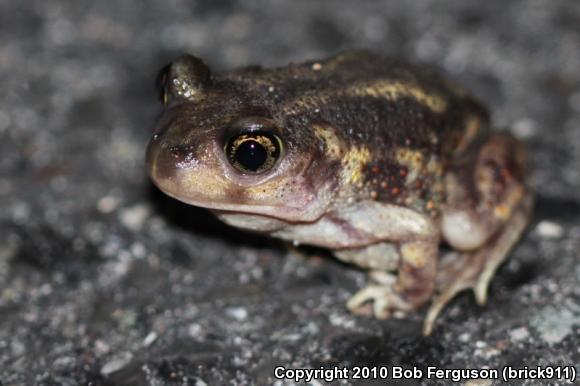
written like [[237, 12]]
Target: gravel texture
[[105, 281]]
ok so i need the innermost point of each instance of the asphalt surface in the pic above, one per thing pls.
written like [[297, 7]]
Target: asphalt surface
[[105, 281]]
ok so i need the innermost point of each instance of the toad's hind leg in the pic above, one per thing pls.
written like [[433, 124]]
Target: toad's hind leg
[[484, 216], [475, 270]]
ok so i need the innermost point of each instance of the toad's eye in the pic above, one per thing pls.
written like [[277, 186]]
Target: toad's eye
[[253, 152]]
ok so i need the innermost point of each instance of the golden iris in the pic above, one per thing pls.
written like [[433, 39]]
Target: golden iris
[[253, 152]]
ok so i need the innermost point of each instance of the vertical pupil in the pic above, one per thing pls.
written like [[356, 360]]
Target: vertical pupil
[[251, 154]]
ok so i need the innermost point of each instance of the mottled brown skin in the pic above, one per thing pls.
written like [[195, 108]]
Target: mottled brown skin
[[380, 161]]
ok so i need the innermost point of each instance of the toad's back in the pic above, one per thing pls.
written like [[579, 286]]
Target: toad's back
[[371, 100]]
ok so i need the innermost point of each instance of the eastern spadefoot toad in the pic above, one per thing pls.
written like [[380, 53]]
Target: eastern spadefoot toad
[[378, 160]]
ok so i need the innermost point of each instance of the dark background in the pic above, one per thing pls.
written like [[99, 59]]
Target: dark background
[[105, 281]]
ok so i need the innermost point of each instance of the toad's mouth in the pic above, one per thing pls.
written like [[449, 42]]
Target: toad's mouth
[[253, 222]]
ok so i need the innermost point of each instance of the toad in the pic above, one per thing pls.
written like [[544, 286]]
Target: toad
[[379, 160]]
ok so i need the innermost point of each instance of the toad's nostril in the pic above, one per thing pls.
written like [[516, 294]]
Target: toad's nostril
[[175, 152], [180, 152]]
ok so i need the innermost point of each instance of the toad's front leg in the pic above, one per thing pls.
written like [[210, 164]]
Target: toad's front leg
[[411, 249], [408, 291]]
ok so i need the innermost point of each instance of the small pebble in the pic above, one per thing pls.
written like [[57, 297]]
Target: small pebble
[[134, 217], [238, 313], [108, 204], [116, 364], [550, 230], [150, 338], [518, 334]]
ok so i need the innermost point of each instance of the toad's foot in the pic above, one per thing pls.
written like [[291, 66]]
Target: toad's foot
[[458, 272], [385, 301], [408, 290]]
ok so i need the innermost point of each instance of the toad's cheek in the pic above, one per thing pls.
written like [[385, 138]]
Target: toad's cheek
[[205, 189], [207, 182]]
